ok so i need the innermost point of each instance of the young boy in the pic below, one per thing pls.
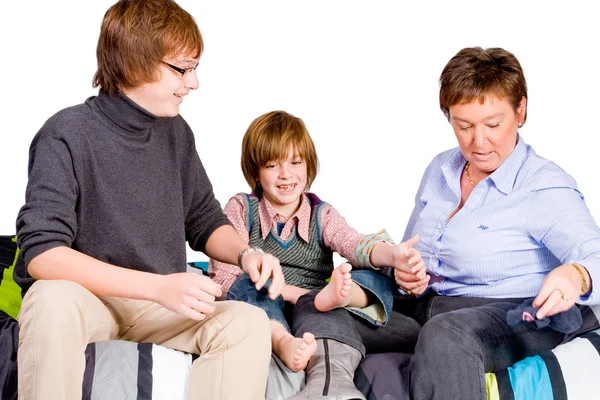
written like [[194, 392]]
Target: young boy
[[115, 190], [279, 163]]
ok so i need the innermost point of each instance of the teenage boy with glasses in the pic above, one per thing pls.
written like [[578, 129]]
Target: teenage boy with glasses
[[115, 190]]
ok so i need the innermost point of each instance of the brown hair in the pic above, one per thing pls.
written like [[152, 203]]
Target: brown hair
[[136, 35], [269, 137], [475, 73]]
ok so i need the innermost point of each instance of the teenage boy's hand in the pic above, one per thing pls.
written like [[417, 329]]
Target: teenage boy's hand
[[189, 294], [409, 269], [260, 267]]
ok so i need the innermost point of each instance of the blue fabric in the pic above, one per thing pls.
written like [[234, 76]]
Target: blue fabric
[[379, 285], [518, 224], [243, 289], [530, 380], [566, 322], [201, 265], [280, 226]]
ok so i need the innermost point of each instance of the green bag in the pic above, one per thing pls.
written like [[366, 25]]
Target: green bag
[[10, 292]]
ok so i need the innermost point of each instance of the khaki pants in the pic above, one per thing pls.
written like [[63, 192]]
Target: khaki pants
[[59, 319]]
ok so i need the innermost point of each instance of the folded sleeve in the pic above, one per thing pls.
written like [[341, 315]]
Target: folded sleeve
[[48, 218]]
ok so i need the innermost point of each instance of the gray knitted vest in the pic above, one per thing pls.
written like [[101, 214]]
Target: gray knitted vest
[[306, 265]]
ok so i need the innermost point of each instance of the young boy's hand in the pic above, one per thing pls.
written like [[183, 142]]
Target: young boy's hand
[[409, 269], [260, 267]]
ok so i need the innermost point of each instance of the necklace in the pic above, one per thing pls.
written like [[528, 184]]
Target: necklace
[[469, 176]]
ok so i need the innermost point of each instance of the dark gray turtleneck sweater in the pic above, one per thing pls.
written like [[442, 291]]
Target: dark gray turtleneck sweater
[[117, 183]]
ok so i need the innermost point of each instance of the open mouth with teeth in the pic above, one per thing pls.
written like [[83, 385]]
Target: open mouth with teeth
[[287, 188]]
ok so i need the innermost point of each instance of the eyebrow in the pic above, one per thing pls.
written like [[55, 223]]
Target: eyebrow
[[193, 61], [485, 119]]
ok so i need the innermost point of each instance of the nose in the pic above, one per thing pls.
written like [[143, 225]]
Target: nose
[[479, 137], [191, 80], [284, 172]]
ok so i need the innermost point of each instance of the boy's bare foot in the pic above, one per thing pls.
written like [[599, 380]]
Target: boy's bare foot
[[295, 352], [338, 292]]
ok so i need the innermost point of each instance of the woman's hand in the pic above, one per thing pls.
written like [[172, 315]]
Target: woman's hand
[[560, 290], [409, 269]]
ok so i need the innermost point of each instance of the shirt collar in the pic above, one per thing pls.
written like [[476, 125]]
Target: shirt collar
[[452, 171], [269, 216], [505, 176]]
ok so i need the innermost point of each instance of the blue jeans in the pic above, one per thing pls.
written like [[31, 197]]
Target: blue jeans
[[337, 324], [243, 289], [462, 338]]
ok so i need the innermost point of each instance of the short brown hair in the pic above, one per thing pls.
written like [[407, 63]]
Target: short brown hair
[[269, 137], [136, 35], [475, 73]]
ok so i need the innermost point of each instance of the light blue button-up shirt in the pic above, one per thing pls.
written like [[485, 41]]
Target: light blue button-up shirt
[[518, 224]]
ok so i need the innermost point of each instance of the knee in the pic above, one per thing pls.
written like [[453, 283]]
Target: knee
[[445, 334], [248, 320], [50, 303], [54, 298], [53, 294], [448, 361], [243, 289], [307, 299]]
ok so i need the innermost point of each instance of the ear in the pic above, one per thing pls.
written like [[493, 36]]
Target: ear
[[522, 110]]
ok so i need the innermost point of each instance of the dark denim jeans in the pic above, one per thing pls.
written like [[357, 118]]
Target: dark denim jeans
[[462, 338], [338, 324]]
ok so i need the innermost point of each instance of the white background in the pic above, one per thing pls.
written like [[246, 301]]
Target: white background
[[363, 75]]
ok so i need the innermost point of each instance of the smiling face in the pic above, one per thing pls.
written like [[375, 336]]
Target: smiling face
[[283, 182], [163, 96], [486, 132]]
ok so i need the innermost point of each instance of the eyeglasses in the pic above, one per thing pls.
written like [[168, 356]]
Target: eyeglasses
[[182, 71]]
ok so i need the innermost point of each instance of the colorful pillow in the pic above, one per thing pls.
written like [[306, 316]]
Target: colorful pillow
[[570, 371]]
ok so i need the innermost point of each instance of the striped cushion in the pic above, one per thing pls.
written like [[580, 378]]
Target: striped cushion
[[116, 369], [570, 371]]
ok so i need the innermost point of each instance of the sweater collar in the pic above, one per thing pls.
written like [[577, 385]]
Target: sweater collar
[[123, 114]]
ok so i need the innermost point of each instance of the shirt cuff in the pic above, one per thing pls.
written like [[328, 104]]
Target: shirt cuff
[[226, 279], [365, 246]]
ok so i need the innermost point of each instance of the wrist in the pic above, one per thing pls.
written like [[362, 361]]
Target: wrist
[[381, 255], [157, 286], [245, 251], [364, 256], [585, 278]]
